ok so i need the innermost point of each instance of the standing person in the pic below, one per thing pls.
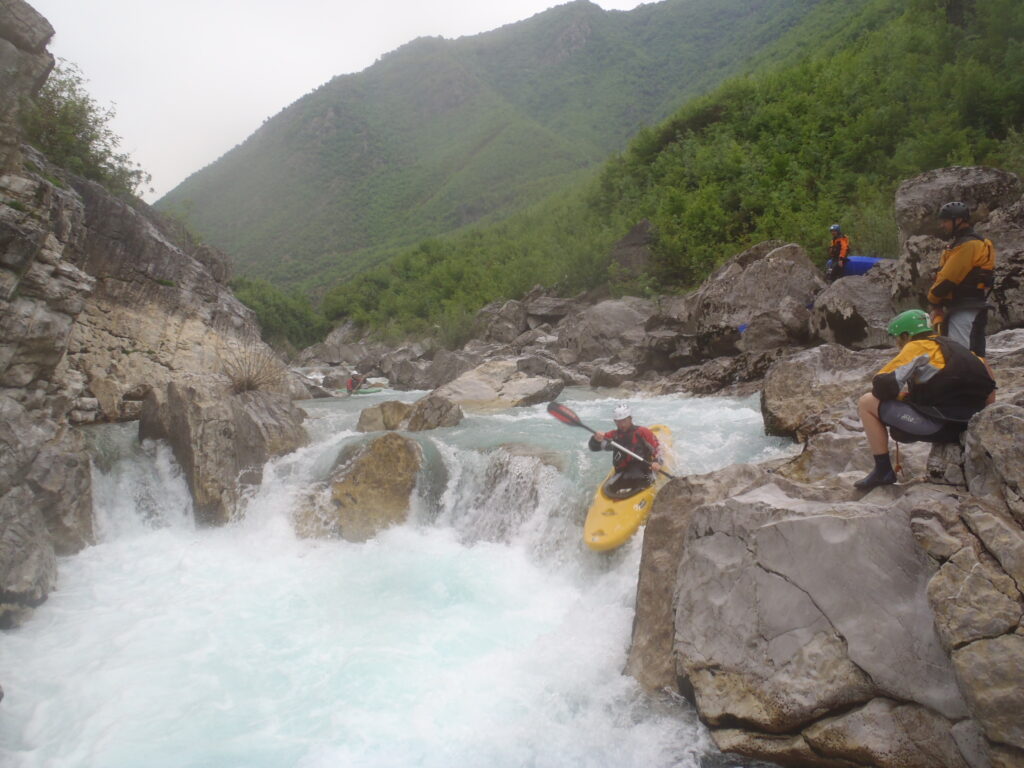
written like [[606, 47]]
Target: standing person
[[966, 271], [639, 440], [927, 393], [355, 382], [837, 253]]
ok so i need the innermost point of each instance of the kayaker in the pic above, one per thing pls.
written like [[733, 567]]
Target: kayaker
[[838, 252], [958, 297], [640, 440], [927, 393], [355, 382]]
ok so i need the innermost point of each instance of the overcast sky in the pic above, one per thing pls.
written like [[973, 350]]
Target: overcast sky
[[190, 79]]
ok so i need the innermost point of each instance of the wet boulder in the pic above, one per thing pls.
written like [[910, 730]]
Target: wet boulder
[[432, 412], [370, 489], [221, 439], [388, 415]]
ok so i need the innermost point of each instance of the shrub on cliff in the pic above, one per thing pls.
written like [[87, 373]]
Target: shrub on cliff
[[67, 125]]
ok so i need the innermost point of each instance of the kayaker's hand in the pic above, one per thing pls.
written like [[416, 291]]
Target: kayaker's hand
[[655, 466], [599, 436]]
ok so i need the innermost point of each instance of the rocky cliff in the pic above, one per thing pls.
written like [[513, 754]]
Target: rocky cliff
[[100, 301]]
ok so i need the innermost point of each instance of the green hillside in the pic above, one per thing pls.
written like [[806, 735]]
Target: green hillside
[[897, 88], [443, 133]]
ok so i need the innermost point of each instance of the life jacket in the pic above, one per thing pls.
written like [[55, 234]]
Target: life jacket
[[840, 248], [977, 284], [961, 386], [640, 440]]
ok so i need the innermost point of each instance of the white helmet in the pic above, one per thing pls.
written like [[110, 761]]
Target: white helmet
[[622, 411]]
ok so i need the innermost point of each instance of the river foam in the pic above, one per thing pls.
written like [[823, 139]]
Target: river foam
[[481, 633]]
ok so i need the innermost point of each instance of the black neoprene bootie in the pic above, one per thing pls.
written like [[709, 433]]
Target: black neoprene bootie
[[882, 474]]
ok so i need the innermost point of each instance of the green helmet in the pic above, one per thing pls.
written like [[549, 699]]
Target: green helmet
[[913, 321]]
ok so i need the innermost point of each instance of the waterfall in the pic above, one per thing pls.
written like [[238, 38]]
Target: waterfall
[[482, 632]]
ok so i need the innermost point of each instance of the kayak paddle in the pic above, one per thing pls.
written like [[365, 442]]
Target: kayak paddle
[[566, 415]]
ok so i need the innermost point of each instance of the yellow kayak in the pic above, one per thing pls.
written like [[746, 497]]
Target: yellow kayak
[[611, 522]]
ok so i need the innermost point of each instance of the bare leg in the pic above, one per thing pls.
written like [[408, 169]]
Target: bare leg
[[874, 429]]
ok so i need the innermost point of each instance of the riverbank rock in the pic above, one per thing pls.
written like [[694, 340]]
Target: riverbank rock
[[390, 414], [610, 329], [983, 189], [369, 490], [855, 311], [221, 440], [25, 63], [499, 384], [808, 392], [432, 412]]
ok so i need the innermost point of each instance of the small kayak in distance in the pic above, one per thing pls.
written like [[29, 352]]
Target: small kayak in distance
[[369, 391], [612, 522]]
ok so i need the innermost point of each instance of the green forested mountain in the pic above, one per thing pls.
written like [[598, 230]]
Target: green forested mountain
[[443, 133], [825, 133]]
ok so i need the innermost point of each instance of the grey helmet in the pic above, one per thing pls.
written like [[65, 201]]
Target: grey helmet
[[955, 210]]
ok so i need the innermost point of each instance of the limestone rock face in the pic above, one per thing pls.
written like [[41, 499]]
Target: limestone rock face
[[221, 440], [370, 490], [432, 412], [499, 384], [28, 565], [501, 321], [806, 393]]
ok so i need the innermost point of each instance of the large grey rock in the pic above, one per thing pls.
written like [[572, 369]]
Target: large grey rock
[[501, 321], [808, 392], [25, 63], [432, 412], [983, 189], [769, 636], [499, 384], [888, 735], [991, 672], [855, 311], [611, 328], [745, 292], [221, 440], [28, 565], [994, 456]]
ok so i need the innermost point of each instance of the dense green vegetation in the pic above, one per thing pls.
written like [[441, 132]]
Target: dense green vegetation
[[287, 320], [68, 126], [900, 88], [441, 134]]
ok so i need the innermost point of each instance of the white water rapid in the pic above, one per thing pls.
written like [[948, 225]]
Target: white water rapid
[[482, 633]]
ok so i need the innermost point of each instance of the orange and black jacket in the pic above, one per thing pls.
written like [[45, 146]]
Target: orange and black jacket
[[640, 440], [966, 272], [935, 371], [839, 249]]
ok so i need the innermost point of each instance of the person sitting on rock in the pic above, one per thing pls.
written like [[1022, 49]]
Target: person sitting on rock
[[630, 474], [966, 271], [355, 382], [838, 252], [927, 393]]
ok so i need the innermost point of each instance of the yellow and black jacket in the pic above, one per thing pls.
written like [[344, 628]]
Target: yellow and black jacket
[[966, 272], [936, 372]]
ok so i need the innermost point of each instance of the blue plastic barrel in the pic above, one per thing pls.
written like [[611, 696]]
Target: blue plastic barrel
[[858, 265]]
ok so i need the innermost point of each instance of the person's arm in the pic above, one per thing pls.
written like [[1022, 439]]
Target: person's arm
[[844, 249], [598, 442], [898, 372]]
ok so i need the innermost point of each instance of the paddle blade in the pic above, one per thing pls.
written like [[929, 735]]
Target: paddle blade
[[564, 414]]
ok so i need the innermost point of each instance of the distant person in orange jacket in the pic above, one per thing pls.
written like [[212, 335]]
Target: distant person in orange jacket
[[958, 297], [837, 253]]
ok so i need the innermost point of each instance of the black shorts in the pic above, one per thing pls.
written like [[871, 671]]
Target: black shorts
[[908, 425]]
